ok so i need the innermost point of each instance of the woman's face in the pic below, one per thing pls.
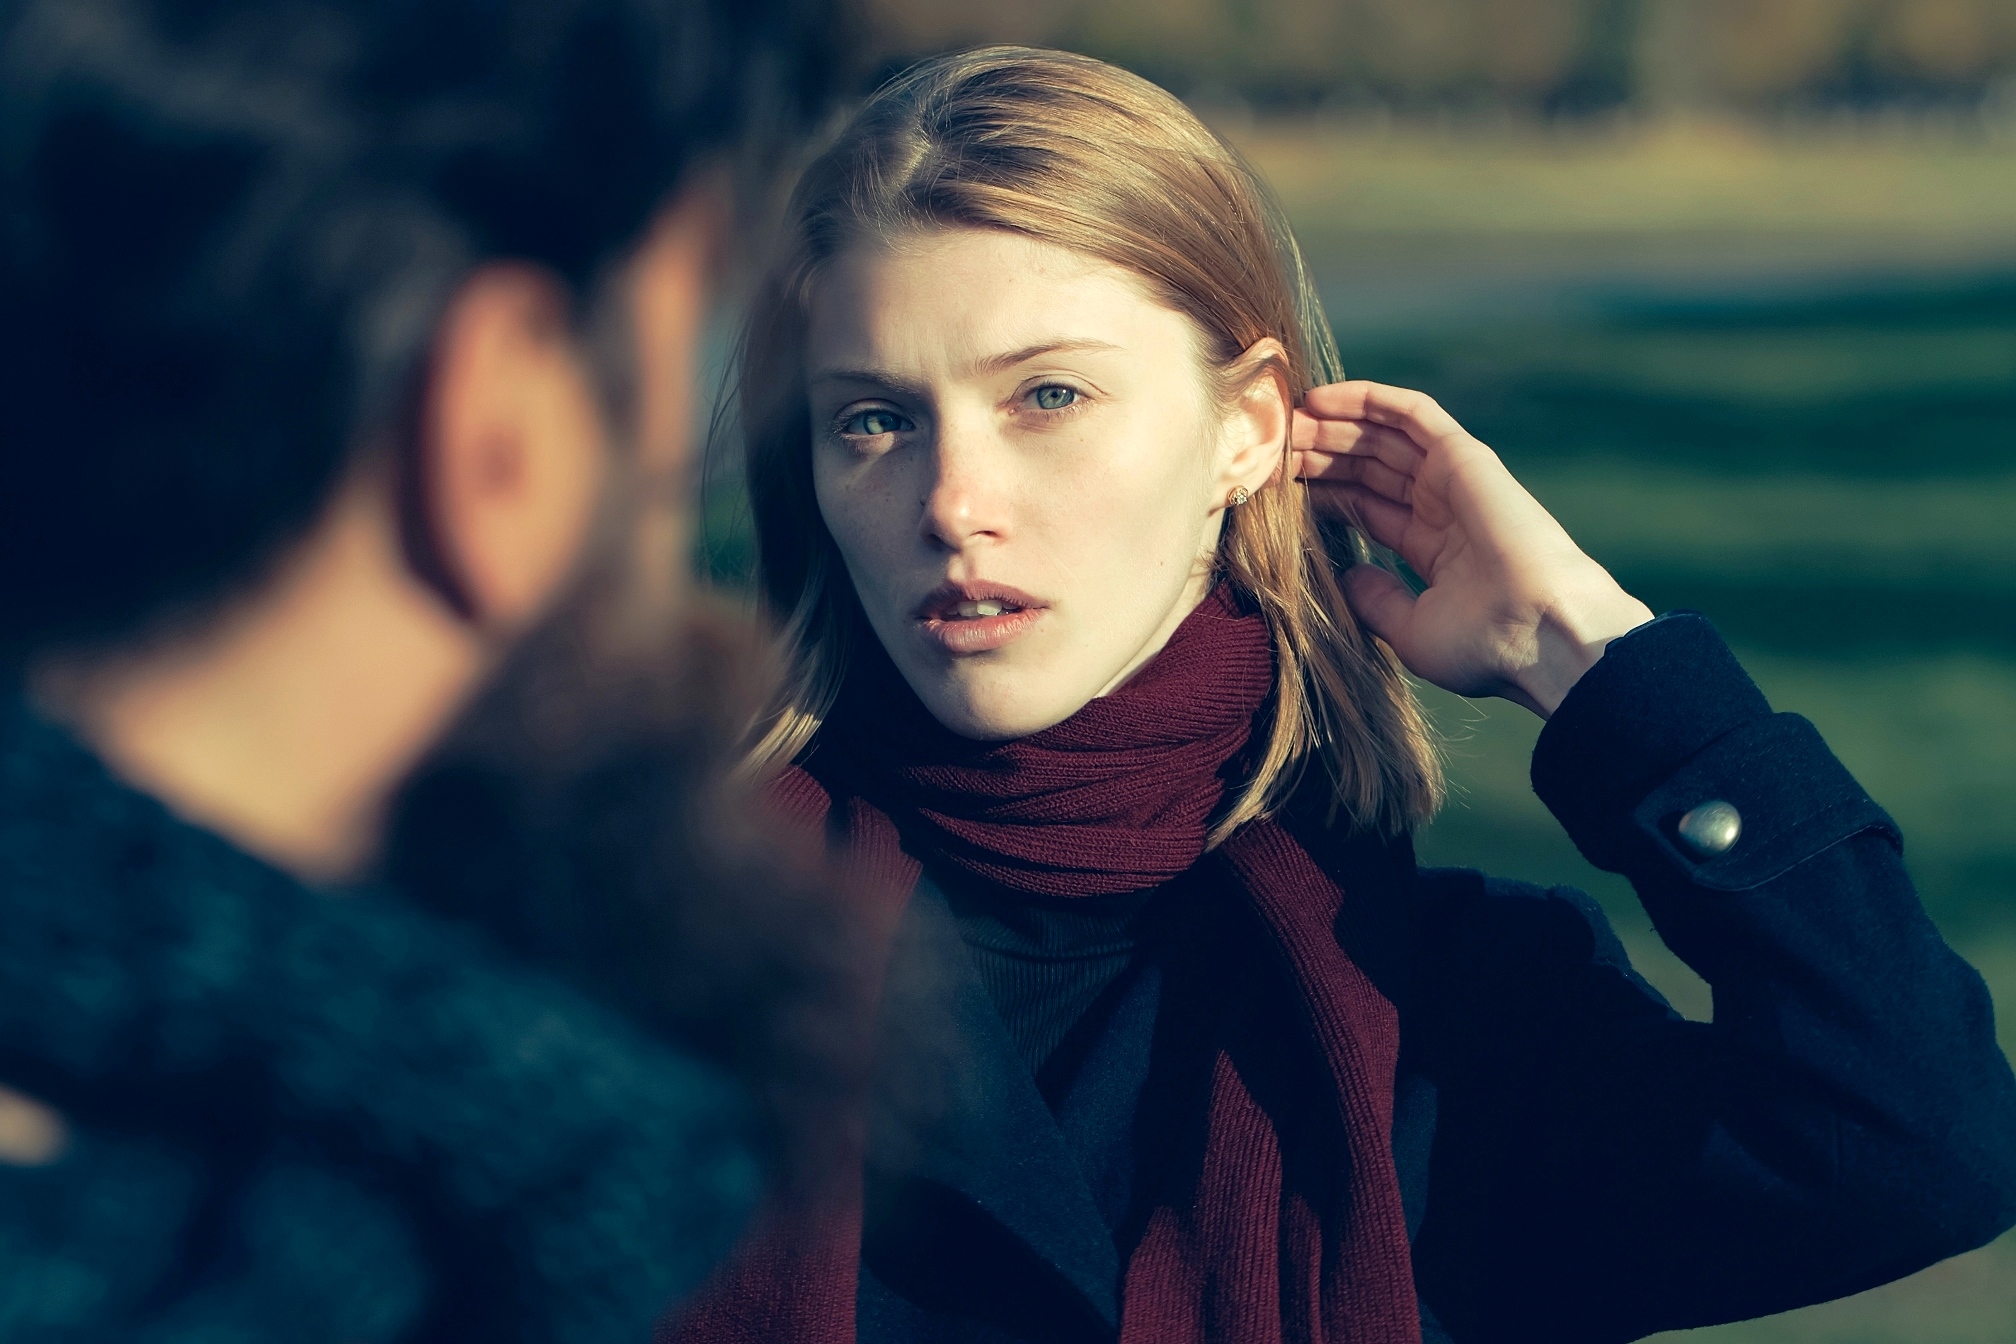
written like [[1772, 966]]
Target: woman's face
[[1019, 455]]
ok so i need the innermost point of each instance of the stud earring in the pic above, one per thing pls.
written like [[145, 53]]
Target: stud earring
[[1240, 494]]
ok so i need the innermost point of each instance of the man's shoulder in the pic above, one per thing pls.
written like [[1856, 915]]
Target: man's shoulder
[[256, 1235], [328, 1073]]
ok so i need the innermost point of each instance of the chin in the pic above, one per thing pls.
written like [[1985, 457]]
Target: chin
[[994, 713]]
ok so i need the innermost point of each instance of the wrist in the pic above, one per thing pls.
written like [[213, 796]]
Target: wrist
[[1570, 639]]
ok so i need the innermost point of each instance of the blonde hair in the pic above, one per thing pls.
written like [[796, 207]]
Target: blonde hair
[[1077, 153]]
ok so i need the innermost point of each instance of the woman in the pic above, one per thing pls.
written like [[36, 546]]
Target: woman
[[1066, 515]]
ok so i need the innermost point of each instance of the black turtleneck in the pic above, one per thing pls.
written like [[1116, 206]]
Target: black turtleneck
[[1049, 962]]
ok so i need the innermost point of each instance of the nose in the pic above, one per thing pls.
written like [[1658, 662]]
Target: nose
[[967, 499]]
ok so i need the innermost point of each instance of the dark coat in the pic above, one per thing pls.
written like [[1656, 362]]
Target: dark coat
[[305, 1117], [1579, 1163]]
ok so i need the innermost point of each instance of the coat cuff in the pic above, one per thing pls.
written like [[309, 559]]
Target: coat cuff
[[1668, 720]]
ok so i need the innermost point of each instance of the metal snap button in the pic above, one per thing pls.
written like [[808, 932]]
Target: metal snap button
[[1712, 828]]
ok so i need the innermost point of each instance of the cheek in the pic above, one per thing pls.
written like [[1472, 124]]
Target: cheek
[[1142, 494], [836, 505], [858, 514]]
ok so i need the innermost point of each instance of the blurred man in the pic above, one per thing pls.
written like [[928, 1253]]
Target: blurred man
[[302, 447]]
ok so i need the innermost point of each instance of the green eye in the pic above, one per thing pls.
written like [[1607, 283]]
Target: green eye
[[1054, 396], [874, 423]]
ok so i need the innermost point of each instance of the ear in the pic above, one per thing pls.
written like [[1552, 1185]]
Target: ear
[[1253, 437], [670, 287], [514, 449]]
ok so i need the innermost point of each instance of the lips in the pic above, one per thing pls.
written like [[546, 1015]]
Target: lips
[[974, 601], [966, 618]]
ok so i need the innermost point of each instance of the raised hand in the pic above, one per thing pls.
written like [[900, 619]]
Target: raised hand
[[1513, 607]]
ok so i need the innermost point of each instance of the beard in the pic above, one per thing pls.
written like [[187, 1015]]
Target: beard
[[588, 812]]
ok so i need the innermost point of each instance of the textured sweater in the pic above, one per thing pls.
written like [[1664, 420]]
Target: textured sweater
[[1051, 965], [297, 1115]]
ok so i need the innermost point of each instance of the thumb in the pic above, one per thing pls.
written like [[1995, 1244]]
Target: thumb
[[1380, 600]]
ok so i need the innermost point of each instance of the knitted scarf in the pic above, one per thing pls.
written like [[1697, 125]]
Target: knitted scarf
[[1269, 1227]]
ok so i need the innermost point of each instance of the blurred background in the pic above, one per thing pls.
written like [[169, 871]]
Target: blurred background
[[1731, 284]]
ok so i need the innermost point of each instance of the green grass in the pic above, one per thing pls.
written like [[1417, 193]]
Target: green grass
[[1900, 193], [1966, 1300]]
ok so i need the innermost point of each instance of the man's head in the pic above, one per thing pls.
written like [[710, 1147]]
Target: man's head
[[229, 233], [318, 320], [296, 304]]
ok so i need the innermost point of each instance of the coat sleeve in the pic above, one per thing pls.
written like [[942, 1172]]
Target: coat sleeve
[[1603, 1169]]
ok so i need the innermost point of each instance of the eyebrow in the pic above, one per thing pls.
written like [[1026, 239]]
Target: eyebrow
[[1000, 363], [1009, 359]]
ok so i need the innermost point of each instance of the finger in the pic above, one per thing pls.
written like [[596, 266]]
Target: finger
[[1378, 517], [1337, 401], [1308, 430], [1302, 429], [1348, 436], [1416, 414], [1369, 472], [1380, 600], [1335, 433], [1339, 437]]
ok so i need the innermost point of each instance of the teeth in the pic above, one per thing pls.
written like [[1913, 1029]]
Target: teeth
[[974, 610]]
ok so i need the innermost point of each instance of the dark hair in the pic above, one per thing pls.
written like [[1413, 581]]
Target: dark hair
[[227, 228]]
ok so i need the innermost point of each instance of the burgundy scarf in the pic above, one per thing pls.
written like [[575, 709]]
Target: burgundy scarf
[[1255, 1241]]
